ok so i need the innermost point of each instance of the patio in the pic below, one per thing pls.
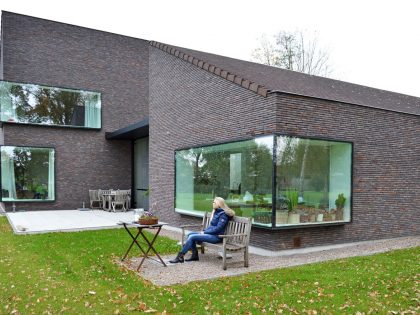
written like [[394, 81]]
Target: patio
[[32, 222]]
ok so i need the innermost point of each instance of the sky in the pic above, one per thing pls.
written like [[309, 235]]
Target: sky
[[370, 42]]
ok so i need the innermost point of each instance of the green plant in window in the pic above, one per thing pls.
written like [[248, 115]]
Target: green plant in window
[[292, 196], [340, 201]]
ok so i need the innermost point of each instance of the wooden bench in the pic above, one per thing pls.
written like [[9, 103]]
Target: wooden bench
[[236, 237]]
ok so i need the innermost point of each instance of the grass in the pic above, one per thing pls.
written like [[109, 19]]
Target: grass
[[74, 273]]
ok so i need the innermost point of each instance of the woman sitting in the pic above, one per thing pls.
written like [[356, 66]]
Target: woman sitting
[[220, 216]]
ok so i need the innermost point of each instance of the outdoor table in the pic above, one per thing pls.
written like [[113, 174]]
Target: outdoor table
[[149, 244], [107, 197]]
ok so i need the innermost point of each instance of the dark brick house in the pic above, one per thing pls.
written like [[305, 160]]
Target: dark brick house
[[312, 160]]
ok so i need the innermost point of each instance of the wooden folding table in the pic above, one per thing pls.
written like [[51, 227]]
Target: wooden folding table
[[148, 246]]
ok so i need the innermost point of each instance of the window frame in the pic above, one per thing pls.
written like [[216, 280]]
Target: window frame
[[55, 125], [275, 135], [31, 200], [296, 226]]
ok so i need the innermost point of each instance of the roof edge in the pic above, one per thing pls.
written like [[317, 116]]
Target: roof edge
[[202, 64], [279, 92]]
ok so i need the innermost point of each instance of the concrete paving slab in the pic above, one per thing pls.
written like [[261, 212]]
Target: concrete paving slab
[[32, 222]]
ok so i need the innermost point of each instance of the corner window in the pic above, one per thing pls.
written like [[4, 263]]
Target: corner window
[[43, 105], [27, 174], [312, 180]]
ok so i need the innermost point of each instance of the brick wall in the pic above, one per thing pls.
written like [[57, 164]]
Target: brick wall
[[386, 155], [191, 107], [50, 53]]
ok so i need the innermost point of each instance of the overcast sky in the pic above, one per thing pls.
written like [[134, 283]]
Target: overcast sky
[[371, 42]]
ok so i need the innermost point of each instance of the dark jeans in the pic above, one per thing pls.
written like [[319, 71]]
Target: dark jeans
[[194, 238]]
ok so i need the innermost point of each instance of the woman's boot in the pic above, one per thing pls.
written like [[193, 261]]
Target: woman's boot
[[178, 259], [194, 256]]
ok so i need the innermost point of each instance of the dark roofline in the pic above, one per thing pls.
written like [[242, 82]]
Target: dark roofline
[[134, 131], [261, 89], [341, 102], [245, 83]]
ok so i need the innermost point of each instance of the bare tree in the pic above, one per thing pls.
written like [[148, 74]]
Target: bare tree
[[293, 51]]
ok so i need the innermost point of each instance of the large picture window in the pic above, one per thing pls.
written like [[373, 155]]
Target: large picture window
[[36, 104], [241, 172], [27, 174], [312, 180]]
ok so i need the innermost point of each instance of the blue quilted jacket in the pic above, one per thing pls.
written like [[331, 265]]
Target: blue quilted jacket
[[218, 223]]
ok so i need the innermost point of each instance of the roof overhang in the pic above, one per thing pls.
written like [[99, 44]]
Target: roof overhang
[[131, 132]]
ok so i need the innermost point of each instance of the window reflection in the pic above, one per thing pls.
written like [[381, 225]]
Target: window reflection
[[35, 104], [313, 180], [240, 172], [27, 174]]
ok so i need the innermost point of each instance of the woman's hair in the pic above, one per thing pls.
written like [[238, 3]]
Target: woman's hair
[[221, 203]]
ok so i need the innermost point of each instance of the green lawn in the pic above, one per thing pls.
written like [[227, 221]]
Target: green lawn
[[74, 273]]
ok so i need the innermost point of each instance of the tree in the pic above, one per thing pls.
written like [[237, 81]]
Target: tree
[[293, 51]]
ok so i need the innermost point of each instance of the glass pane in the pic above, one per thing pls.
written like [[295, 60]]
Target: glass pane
[[27, 174], [36, 104], [240, 172], [313, 181]]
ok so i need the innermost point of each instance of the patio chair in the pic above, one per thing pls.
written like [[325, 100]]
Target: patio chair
[[120, 199], [95, 199], [128, 199]]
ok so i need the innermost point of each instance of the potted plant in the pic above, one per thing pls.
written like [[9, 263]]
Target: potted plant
[[40, 192], [149, 217], [339, 203], [282, 212], [292, 197], [281, 217], [320, 216]]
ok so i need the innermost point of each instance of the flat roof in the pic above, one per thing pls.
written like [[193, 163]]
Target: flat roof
[[131, 132]]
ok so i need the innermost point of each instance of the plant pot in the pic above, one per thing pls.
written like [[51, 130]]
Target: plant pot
[[281, 217], [312, 218], [148, 221], [293, 218], [304, 218], [320, 217], [339, 215], [327, 217]]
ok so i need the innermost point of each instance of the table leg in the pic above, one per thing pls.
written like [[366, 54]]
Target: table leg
[[150, 247], [134, 238]]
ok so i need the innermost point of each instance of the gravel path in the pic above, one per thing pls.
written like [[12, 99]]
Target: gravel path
[[210, 265]]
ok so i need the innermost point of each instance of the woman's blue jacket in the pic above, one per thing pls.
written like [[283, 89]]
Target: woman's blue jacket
[[218, 223]]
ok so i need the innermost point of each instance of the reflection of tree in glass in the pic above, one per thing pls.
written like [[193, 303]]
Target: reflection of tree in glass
[[213, 173], [258, 163], [31, 171], [21, 159], [303, 164], [36, 104]]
